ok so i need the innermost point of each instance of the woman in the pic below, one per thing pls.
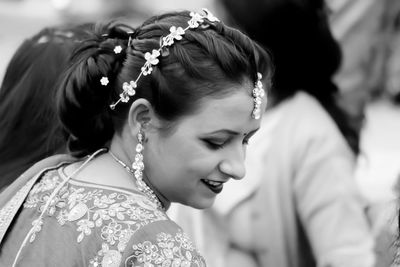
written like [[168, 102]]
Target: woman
[[174, 102], [28, 117]]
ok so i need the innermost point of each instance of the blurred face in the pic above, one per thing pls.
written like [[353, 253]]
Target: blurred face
[[191, 164]]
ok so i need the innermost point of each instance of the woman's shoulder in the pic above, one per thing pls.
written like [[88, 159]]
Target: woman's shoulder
[[162, 243], [156, 243], [95, 202]]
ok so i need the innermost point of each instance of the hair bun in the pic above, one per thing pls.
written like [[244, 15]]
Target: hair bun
[[83, 99]]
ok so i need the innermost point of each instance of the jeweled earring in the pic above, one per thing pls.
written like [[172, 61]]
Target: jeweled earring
[[138, 164]]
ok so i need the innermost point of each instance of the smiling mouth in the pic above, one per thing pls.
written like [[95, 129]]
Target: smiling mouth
[[214, 186]]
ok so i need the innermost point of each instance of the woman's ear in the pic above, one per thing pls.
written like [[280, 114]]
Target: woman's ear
[[141, 115]]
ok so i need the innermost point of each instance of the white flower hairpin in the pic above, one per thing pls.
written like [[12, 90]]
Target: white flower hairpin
[[117, 49], [104, 81]]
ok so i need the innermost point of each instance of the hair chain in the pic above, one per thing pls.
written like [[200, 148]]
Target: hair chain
[[152, 59], [176, 33]]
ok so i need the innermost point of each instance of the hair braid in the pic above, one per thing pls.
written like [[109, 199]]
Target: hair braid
[[83, 95]]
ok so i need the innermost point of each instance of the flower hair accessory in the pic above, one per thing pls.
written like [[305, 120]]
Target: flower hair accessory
[[176, 33], [104, 81], [117, 49]]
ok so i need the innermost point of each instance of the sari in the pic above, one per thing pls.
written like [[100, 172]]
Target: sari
[[50, 219]]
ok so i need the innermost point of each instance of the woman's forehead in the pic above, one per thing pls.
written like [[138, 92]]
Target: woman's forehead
[[229, 112]]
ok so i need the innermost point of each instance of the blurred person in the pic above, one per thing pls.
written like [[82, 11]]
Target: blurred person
[[299, 204], [157, 114], [368, 33], [29, 127], [386, 227], [356, 26], [390, 25]]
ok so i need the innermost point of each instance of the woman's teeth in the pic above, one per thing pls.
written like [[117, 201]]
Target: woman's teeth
[[214, 186], [212, 183]]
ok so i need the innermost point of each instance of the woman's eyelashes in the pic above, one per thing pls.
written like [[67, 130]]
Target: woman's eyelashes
[[214, 144], [219, 144], [246, 141]]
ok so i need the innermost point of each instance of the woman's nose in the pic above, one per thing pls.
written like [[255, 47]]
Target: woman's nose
[[233, 165]]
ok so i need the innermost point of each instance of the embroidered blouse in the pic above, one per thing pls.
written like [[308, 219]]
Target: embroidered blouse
[[87, 224]]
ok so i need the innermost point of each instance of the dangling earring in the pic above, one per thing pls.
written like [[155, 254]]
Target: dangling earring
[[138, 164]]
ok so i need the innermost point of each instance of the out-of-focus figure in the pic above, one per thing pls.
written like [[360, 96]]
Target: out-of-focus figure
[[29, 126], [369, 33]]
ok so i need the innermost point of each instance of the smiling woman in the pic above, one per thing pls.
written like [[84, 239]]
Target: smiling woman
[[157, 114], [203, 153]]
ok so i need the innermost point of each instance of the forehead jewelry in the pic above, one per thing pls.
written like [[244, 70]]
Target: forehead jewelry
[[176, 33], [258, 94]]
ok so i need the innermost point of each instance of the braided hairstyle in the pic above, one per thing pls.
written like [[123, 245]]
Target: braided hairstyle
[[203, 64]]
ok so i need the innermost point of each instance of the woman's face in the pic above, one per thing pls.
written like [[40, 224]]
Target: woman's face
[[203, 151]]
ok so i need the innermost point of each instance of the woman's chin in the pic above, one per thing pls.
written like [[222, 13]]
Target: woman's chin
[[203, 203]]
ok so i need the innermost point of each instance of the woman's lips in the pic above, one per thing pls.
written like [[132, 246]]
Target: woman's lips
[[214, 186]]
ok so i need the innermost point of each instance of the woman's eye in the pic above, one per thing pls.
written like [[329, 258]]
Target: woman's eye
[[214, 144]]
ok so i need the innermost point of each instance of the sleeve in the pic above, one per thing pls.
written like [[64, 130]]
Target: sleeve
[[329, 203], [162, 243]]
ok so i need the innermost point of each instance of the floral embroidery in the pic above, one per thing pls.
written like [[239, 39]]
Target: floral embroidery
[[85, 227], [111, 232], [169, 251], [116, 215], [37, 226]]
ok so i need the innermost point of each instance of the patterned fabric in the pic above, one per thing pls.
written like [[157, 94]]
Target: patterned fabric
[[166, 251], [104, 222], [9, 210]]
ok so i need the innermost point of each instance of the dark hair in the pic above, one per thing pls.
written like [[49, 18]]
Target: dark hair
[[198, 66], [29, 126], [305, 53]]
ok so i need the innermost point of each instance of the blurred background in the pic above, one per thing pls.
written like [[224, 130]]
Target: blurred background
[[368, 31]]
